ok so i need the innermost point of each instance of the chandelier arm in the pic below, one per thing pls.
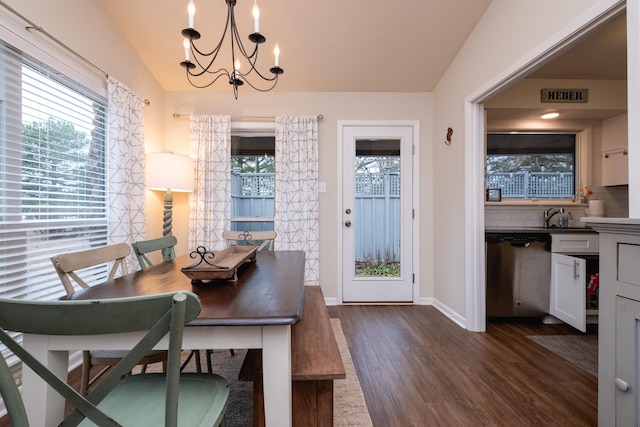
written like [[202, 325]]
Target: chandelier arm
[[274, 80], [252, 60], [205, 69], [233, 38], [219, 72], [254, 69], [236, 41], [240, 44], [213, 52], [189, 75]]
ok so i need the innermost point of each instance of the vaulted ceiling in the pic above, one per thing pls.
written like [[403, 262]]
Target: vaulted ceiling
[[351, 46], [326, 45]]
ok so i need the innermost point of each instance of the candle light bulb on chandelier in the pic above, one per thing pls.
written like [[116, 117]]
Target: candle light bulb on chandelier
[[256, 18], [276, 53], [185, 43], [191, 9], [236, 80]]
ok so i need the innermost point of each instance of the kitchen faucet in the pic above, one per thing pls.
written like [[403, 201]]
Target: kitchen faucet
[[549, 213]]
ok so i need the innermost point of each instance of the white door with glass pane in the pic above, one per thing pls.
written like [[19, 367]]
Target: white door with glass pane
[[377, 214]]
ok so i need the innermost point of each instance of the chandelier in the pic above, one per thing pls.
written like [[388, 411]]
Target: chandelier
[[200, 67]]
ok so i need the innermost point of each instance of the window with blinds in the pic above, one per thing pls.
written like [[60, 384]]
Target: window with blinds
[[52, 172]]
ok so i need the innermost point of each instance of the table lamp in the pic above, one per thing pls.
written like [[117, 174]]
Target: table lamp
[[170, 173]]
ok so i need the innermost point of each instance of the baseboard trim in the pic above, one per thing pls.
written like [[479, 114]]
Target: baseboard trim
[[450, 313]]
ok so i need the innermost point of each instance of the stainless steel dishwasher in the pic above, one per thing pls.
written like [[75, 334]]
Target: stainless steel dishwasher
[[518, 274]]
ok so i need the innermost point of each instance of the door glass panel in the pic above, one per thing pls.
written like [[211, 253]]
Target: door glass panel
[[377, 208]]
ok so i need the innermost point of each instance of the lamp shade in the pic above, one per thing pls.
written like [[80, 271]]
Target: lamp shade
[[168, 171]]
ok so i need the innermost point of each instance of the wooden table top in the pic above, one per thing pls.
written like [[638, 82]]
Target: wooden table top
[[269, 291]]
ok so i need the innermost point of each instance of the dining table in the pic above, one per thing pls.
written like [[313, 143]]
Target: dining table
[[255, 311]]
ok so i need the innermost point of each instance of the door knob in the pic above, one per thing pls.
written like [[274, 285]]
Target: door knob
[[347, 223], [621, 384], [348, 211]]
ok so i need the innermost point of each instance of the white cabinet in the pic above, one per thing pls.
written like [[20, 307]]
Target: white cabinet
[[568, 290], [619, 325], [575, 243], [627, 350], [615, 161], [574, 261]]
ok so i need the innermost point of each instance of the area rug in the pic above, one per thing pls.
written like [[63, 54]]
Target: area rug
[[349, 407], [580, 350]]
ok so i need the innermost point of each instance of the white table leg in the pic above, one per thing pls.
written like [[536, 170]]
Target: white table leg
[[276, 362], [44, 406]]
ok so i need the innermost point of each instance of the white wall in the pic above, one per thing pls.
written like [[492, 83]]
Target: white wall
[[510, 34], [333, 106]]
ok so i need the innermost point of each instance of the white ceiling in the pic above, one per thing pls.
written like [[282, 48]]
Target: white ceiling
[[600, 56], [350, 45], [326, 45]]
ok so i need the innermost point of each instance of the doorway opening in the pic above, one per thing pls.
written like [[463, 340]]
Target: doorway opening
[[475, 159]]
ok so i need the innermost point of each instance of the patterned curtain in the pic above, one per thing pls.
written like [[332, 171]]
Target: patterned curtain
[[125, 165], [296, 181], [210, 203]]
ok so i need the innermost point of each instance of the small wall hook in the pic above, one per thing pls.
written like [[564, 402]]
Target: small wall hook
[[449, 134]]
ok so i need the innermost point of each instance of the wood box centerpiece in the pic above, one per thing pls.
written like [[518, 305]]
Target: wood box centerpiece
[[223, 264]]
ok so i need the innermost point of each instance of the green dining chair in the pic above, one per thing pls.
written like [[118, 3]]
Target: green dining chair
[[151, 399], [164, 244]]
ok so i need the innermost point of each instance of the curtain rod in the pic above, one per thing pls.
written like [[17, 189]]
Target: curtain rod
[[34, 27], [243, 118]]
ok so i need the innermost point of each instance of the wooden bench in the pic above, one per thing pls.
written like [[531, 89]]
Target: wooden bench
[[315, 363]]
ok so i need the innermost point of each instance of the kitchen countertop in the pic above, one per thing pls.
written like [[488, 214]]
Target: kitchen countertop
[[550, 230], [614, 225]]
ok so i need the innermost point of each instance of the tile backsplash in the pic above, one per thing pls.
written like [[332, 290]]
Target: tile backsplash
[[616, 205]]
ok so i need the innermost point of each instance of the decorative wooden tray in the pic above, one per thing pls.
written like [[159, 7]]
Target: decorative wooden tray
[[221, 265]]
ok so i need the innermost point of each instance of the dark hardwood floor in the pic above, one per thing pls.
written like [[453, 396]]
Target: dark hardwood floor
[[418, 368]]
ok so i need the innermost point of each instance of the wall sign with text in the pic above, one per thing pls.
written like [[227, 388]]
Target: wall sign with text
[[564, 95]]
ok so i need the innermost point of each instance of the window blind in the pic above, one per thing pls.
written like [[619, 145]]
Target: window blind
[[53, 194]]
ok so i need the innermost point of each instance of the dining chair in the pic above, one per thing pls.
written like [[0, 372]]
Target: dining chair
[[68, 267], [151, 399], [263, 239], [164, 244]]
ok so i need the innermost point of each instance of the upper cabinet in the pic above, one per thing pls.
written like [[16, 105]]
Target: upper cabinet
[[615, 161]]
